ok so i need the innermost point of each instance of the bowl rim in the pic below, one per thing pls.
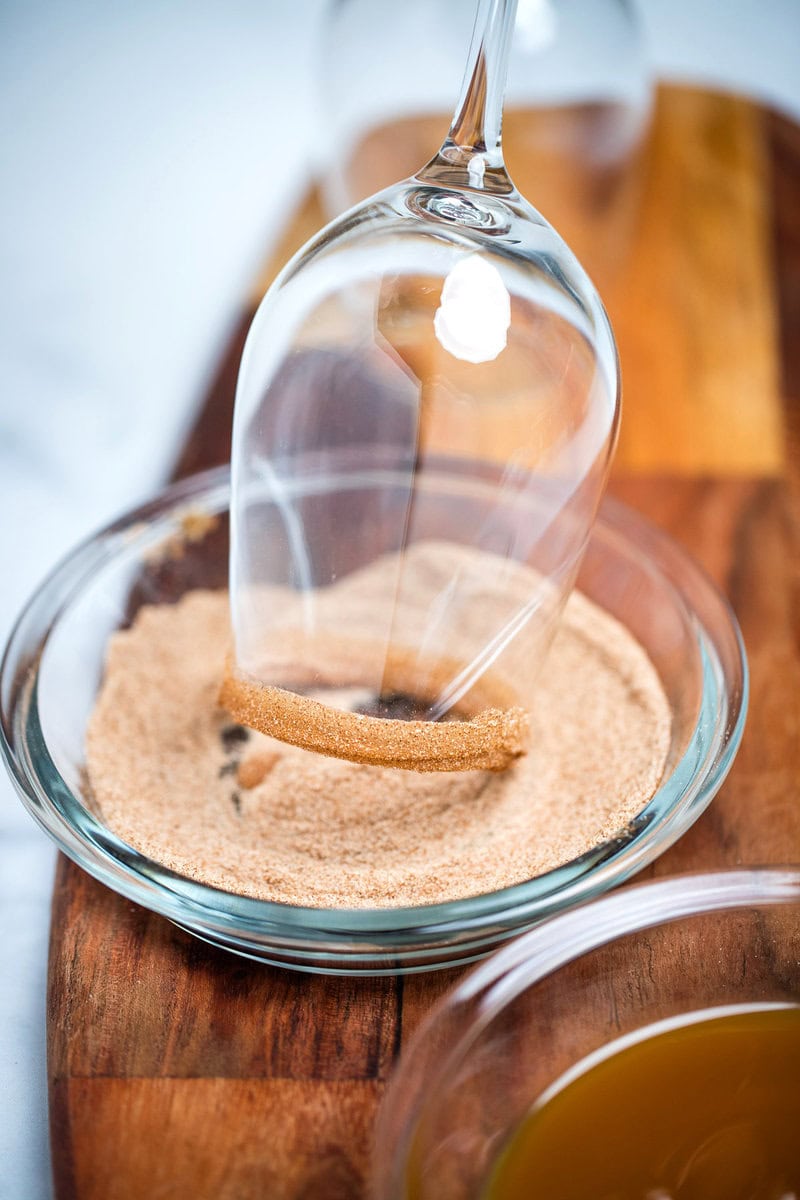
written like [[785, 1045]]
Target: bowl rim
[[378, 940], [567, 936]]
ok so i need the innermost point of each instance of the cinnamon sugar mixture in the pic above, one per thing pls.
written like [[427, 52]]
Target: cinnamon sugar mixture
[[173, 775]]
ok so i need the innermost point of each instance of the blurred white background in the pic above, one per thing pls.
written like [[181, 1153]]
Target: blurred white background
[[149, 152]]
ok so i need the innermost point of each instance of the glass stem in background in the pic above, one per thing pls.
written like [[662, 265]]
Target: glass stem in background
[[471, 155]]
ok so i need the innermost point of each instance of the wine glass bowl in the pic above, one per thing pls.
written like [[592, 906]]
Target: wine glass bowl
[[369, 344]]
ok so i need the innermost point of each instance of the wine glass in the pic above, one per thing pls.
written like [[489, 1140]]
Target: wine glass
[[439, 331]]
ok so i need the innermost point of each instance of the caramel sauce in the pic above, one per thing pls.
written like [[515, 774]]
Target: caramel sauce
[[708, 1109]]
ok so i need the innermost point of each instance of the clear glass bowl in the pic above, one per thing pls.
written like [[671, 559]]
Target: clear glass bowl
[[53, 667], [518, 1022]]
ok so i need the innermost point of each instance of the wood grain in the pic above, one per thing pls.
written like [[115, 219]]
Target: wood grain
[[226, 1138], [179, 1071]]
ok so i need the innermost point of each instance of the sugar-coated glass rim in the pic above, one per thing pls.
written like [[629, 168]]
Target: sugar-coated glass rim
[[378, 940]]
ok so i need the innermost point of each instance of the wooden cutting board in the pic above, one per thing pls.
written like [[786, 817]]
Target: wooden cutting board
[[179, 1072]]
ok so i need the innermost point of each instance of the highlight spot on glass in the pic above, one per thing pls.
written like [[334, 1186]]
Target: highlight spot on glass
[[474, 316]]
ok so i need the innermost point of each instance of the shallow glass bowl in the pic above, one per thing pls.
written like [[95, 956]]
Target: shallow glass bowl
[[53, 668]]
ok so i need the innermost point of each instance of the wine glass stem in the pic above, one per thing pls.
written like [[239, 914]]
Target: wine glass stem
[[479, 113]]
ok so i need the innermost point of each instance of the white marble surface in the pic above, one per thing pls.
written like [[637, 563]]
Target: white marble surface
[[147, 153]]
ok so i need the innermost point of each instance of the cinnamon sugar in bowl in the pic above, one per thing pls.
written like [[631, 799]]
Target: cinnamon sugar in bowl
[[56, 665]]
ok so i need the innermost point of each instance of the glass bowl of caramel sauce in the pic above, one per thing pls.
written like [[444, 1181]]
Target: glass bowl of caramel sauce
[[643, 1047]]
